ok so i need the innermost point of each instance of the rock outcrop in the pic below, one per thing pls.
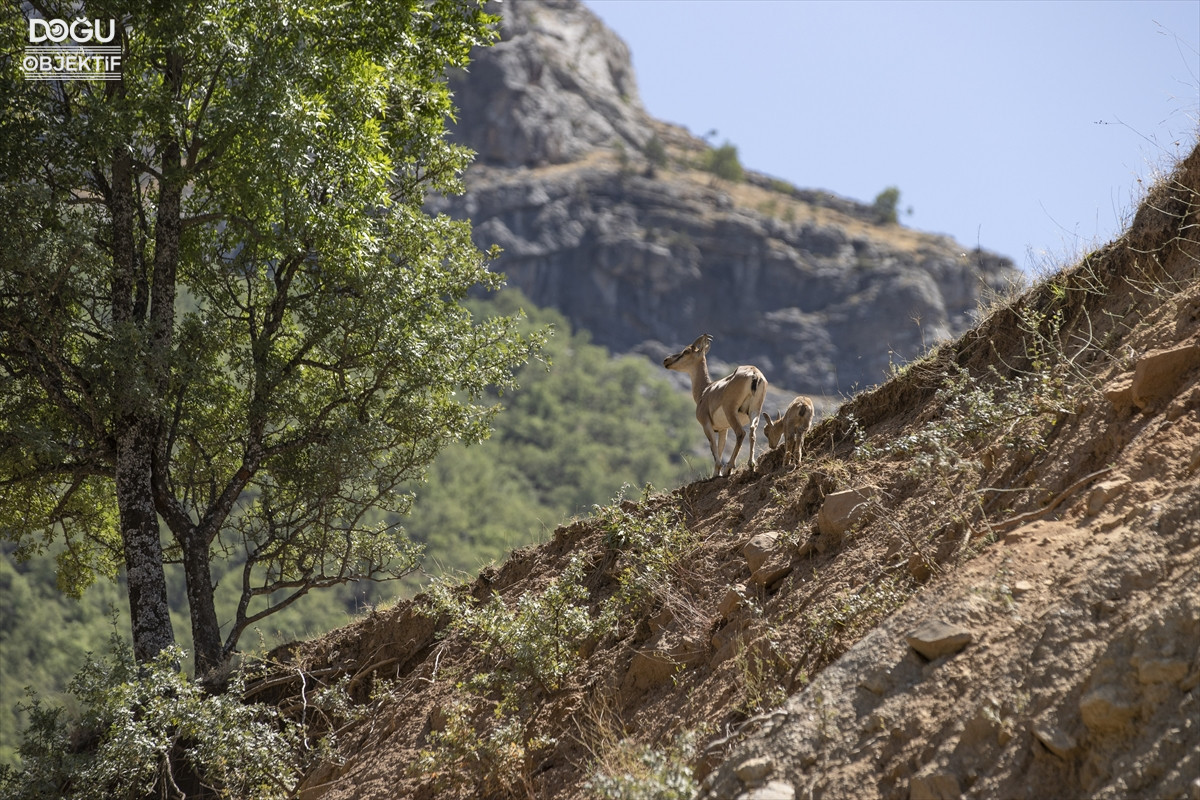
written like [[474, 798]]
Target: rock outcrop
[[558, 84], [603, 214]]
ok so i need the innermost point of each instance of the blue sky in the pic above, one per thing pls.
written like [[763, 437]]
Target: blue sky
[[1023, 127]]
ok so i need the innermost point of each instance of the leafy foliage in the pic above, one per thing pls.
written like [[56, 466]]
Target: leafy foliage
[[487, 739], [651, 550], [534, 643], [723, 162], [148, 729], [223, 307], [633, 771], [885, 205], [516, 486]]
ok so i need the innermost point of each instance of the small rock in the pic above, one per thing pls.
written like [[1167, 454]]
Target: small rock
[[776, 567], [732, 600], [934, 638], [1056, 740], [647, 669], [980, 730], [689, 650], [1162, 670], [1159, 372], [935, 786], [1106, 709], [1021, 588], [773, 790], [755, 770], [661, 620], [727, 640], [806, 547], [1120, 394], [759, 549], [1195, 789], [841, 510], [877, 681], [1102, 493]]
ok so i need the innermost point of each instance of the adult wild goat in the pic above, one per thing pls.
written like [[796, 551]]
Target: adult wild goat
[[731, 403]]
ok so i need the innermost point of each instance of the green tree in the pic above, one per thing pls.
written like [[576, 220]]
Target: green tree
[[886, 204], [724, 163], [222, 307], [655, 151]]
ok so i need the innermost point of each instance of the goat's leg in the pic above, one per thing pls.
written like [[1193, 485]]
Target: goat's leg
[[716, 443], [722, 464], [737, 446]]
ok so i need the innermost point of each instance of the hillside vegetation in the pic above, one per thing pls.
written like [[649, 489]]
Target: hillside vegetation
[[581, 425], [980, 582]]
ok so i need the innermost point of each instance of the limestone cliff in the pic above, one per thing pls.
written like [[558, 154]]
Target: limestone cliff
[[606, 214]]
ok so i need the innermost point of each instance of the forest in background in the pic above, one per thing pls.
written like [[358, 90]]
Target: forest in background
[[582, 425]]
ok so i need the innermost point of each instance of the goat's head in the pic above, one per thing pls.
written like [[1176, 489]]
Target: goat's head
[[774, 429], [685, 358]]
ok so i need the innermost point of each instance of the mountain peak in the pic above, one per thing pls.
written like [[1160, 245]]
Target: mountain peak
[[558, 84]]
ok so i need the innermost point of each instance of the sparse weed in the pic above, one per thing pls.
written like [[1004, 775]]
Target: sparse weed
[[650, 549], [486, 740], [495, 761], [854, 612], [627, 770], [537, 641], [760, 664]]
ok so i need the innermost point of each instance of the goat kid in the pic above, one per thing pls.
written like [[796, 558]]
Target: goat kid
[[791, 426], [731, 403]]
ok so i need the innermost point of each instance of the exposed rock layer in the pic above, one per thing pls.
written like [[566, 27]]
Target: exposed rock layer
[[646, 256]]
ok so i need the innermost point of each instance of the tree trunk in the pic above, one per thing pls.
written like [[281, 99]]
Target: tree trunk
[[149, 612], [206, 631]]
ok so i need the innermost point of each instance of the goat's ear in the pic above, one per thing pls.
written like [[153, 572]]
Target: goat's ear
[[703, 342]]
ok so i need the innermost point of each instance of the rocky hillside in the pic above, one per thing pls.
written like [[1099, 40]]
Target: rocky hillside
[[605, 214], [980, 582]]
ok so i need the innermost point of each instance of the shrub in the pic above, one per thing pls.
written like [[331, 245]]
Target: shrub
[[886, 203], [632, 771], [655, 151], [650, 549], [536, 642], [147, 730], [723, 162]]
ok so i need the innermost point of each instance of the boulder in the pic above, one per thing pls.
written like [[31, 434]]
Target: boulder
[[935, 638], [841, 510], [1159, 373]]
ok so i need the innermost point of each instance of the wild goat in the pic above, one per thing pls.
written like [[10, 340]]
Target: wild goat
[[733, 402], [791, 426]]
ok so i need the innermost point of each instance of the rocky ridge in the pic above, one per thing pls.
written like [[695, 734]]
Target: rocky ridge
[[603, 213]]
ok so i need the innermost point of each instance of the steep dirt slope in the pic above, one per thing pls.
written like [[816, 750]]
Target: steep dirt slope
[[1022, 505]]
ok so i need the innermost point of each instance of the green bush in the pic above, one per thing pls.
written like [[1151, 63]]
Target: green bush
[[723, 162], [651, 549], [534, 643], [655, 151], [886, 203], [632, 771], [150, 731]]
